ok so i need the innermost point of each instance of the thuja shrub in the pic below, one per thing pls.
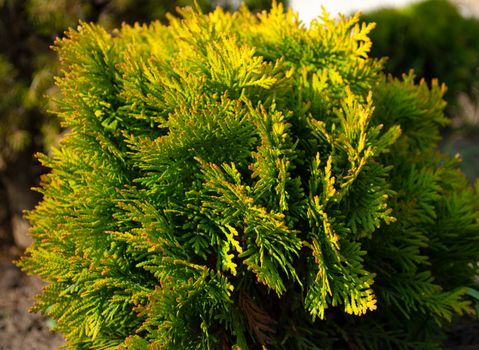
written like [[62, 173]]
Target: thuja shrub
[[242, 181]]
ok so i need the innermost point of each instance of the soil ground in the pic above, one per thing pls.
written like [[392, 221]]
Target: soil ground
[[19, 329]]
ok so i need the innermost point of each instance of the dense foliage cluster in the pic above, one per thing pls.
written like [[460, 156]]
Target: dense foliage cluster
[[241, 181], [27, 67], [434, 39]]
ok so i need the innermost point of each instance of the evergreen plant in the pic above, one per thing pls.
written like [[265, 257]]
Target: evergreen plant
[[240, 181]]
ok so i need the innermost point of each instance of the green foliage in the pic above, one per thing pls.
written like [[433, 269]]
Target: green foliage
[[234, 181], [27, 65], [27, 68], [434, 39]]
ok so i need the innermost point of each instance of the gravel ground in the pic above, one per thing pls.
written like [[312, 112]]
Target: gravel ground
[[19, 329]]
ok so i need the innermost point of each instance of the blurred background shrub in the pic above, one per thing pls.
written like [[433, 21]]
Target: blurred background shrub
[[433, 39]]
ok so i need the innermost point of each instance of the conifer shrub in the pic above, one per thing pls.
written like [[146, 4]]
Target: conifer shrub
[[240, 181]]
